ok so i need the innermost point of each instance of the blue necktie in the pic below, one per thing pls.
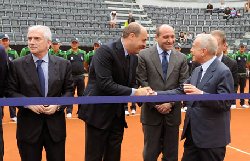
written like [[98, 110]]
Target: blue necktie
[[164, 64], [41, 76], [199, 76]]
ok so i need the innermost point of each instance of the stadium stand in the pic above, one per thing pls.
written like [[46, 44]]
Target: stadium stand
[[89, 19]]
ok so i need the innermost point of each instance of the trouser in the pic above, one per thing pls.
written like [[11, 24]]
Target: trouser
[[104, 144], [194, 153], [132, 107], [55, 151], [79, 85], [160, 139], [12, 110], [242, 84]]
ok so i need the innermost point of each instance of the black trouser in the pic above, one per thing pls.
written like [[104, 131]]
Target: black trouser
[[79, 85], [193, 153], [104, 144], [132, 107], [12, 110], [55, 151], [242, 83]]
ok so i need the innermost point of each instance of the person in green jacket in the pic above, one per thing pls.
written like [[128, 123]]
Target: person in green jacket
[[24, 51], [242, 60], [55, 49], [12, 54], [90, 54], [77, 58]]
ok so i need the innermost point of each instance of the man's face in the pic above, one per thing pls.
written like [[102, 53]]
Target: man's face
[[6, 43], [166, 38], [55, 46], [178, 48], [137, 43], [74, 45], [96, 46], [221, 45], [197, 51], [242, 49], [37, 43], [225, 48]]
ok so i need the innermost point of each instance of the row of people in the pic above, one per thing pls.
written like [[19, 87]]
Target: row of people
[[159, 70], [40, 74]]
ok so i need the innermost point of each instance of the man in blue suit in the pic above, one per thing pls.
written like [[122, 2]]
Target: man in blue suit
[[207, 123]]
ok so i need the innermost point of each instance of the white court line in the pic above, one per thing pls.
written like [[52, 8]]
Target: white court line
[[238, 150]]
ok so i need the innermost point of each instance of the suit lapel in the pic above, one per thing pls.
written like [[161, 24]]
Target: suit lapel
[[156, 61], [30, 69], [53, 70], [121, 55], [209, 74]]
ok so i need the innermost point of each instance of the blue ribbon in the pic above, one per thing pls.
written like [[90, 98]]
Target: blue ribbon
[[116, 99]]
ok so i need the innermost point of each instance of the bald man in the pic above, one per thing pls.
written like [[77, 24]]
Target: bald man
[[112, 73], [162, 68]]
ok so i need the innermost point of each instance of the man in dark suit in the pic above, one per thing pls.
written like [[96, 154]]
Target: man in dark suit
[[112, 73], [161, 127], [230, 63], [207, 123], [40, 75], [3, 76]]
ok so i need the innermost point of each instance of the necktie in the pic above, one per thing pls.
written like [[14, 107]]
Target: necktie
[[164, 64], [41, 76], [199, 76]]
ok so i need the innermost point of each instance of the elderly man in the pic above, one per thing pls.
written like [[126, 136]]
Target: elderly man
[[40, 75], [212, 77]]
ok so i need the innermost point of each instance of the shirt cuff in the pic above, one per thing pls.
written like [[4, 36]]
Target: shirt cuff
[[133, 92]]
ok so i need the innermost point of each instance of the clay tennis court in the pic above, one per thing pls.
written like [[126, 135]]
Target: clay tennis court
[[238, 150]]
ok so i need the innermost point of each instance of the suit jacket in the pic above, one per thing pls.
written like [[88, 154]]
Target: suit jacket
[[149, 73], [209, 120], [108, 76], [23, 81], [232, 65], [3, 70], [3, 75]]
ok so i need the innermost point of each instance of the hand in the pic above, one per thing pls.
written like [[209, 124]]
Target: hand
[[38, 109], [143, 91], [164, 108], [191, 89], [51, 109]]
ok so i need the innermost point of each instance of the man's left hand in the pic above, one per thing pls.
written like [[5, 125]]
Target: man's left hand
[[164, 108], [51, 109]]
